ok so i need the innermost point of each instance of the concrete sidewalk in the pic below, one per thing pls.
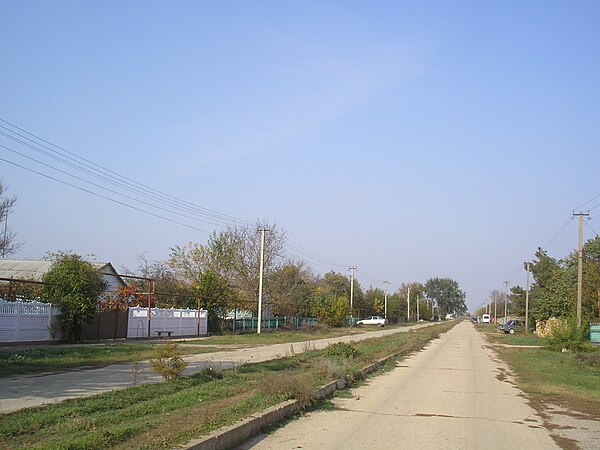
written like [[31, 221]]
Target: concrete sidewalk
[[26, 391]]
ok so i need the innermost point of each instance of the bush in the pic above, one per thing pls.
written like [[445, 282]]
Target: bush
[[168, 362], [341, 350], [568, 336], [299, 386]]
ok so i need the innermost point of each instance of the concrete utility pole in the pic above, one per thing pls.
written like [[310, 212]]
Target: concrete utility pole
[[580, 265], [408, 306], [385, 284], [418, 308], [260, 277], [495, 308], [351, 269], [527, 263], [505, 301]]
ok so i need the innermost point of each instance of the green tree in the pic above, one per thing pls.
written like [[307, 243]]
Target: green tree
[[554, 291], [336, 310], [446, 294], [74, 285], [215, 296]]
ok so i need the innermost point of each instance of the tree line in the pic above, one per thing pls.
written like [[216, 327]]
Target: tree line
[[553, 290]]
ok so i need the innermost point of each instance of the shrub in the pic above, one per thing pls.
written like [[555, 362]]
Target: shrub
[[168, 362], [330, 369], [341, 350], [299, 386], [568, 336]]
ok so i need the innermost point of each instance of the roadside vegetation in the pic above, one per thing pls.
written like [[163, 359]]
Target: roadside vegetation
[[549, 376], [166, 414], [54, 358]]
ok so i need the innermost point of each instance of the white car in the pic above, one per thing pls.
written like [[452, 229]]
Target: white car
[[373, 320]]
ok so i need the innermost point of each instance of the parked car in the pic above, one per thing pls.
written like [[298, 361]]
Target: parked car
[[512, 326], [486, 318], [373, 320]]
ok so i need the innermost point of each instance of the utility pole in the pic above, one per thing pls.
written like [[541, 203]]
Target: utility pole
[[495, 308], [580, 265], [408, 306], [505, 301], [527, 263], [260, 278], [385, 284], [418, 308], [351, 269]]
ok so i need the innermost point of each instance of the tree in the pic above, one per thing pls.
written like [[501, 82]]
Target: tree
[[74, 285], [8, 245], [335, 311], [446, 294], [290, 290]]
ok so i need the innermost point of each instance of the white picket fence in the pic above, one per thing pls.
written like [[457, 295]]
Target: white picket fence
[[26, 321], [182, 322]]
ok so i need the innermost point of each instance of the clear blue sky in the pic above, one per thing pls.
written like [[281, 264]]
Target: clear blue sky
[[410, 140]]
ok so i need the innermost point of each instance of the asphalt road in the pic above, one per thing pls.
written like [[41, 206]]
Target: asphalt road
[[454, 394], [25, 391]]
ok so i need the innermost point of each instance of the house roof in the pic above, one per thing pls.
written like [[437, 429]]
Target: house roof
[[25, 269]]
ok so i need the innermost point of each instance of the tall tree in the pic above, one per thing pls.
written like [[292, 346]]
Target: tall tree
[[446, 294], [8, 245]]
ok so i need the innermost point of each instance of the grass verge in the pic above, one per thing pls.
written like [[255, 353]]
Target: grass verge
[[166, 414], [54, 358], [571, 379]]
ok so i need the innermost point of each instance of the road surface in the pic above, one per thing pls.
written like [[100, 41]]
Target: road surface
[[23, 391], [454, 394]]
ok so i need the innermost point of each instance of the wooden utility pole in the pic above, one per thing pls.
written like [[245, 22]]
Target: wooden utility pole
[[580, 265]]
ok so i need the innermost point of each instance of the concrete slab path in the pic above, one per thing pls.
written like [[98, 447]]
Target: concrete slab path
[[455, 394]]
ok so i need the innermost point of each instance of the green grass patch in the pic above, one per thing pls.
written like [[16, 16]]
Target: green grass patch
[[163, 415], [561, 377]]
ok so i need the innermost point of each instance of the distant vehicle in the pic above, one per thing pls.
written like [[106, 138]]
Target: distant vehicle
[[474, 319], [373, 320], [512, 326], [485, 318]]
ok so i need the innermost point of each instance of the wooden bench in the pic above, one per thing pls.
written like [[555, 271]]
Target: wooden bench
[[160, 333]]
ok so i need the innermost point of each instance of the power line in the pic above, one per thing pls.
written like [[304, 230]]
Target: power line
[[558, 233], [108, 189], [589, 201], [103, 196], [73, 160], [590, 227]]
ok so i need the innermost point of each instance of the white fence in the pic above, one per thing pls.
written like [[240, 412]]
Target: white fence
[[182, 322], [26, 321]]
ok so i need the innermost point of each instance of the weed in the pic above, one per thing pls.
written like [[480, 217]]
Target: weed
[[299, 386], [136, 373], [168, 362], [341, 350], [330, 369], [211, 373]]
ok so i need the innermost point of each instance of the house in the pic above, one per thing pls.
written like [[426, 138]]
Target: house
[[34, 270]]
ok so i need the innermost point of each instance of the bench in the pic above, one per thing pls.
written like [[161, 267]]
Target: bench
[[160, 333]]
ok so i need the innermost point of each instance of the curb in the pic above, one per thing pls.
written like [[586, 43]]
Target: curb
[[238, 433]]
